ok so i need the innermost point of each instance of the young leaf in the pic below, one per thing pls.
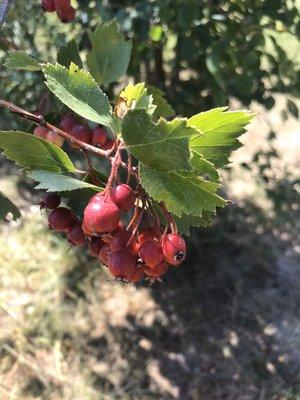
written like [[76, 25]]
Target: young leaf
[[182, 191], [69, 53], [53, 182], [20, 60], [31, 152], [109, 58], [163, 108], [78, 90], [162, 146], [7, 206], [218, 132], [186, 221], [138, 98]]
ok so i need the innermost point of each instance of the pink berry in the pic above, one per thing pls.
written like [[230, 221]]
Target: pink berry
[[75, 234], [108, 145], [61, 218], [55, 138], [102, 216], [174, 248], [67, 123], [121, 263], [48, 5], [151, 253], [123, 196], [81, 132]]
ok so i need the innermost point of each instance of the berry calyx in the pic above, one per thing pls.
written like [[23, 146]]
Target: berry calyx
[[41, 132], [81, 132], [158, 270], [75, 234], [48, 5], [99, 136], [60, 219], [104, 254], [174, 248], [95, 245], [151, 253], [50, 201], [101, 216], [121, 263], [67, 123], [123, 196]]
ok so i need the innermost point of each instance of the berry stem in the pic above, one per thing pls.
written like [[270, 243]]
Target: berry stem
[[115, 162], [168, 217], [129, 167], [136, 227]]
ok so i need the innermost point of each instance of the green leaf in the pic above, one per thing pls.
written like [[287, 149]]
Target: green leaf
[[218, 132], [203, 167], [109, 58], [163, 146], [7, 206], [163, 108], [78, 90], [31, 152], [20, 60], [53, 182], [138, 98], [69, 53], [182, 191], [186, 221], [78, 199]]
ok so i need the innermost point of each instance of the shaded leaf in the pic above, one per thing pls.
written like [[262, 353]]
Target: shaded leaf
[[20, 60], [186, 221], [69, 53], [31, 152], [163, 108], [7, 206]]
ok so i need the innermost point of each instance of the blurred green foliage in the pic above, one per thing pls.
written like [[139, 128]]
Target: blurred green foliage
[[201, 53]]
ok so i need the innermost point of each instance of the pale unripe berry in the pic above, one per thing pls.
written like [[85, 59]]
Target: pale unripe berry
[[123, 196], [41, 132], [60, 219], [151, 253], [121, 263], [55, 138], [75, 234], [101, 216], [174, 248]]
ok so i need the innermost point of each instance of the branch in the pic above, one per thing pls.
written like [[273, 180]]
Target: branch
[[4, 7]]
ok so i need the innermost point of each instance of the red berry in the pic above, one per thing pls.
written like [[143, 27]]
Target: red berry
[[41, 132], [50, 201], [81, 132], [108, 144], [62, 5], [123, 196], [55, 138], [95, 245], [66, 15], [101, 216], [99, 136], [120, 240], [75, 234], [97, 197], [48, 5], [137, 274], [121, 263], [174, 248], [104, 254], [158, 270], [151, 253], [61, 218], [85, 230], [67, 123], [148, 234]]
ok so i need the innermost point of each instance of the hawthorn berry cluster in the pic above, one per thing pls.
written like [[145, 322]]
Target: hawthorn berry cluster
[[97, 137], [130, 253], [63, 8]]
